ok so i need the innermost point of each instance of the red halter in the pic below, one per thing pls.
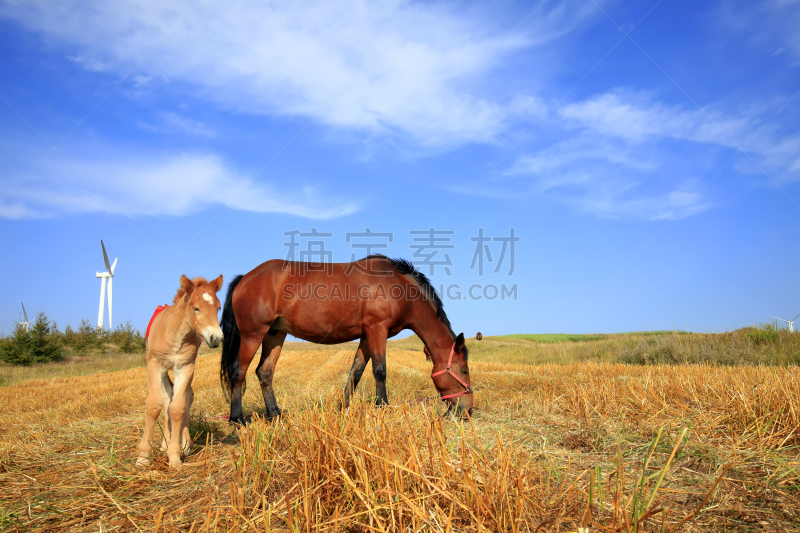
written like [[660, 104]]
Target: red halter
[[467, 389]]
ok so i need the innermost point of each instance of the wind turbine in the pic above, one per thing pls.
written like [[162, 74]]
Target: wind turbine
[[790, 322], [107, 275], [27, 322]]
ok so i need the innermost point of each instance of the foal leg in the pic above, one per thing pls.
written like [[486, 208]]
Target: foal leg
[[376, 339], [247, 350], [177, 411], [152, 410], [359, 363], [186, 439], [270, 353], [166, 399]]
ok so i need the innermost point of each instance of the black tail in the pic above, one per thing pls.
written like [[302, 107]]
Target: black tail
[[229, 364]]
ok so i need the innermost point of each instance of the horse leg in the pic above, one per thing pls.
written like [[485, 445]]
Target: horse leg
[[186, 438], [247, 350], [376, 339], [152, 410], [270, 353], [359, 363], [166, 398], [177, 411]]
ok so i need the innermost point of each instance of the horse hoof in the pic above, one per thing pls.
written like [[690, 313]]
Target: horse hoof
[[175, 462], [143, 461], [239, 420]]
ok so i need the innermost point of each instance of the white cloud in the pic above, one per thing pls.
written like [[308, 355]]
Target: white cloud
[[296, 58], [432, 88], [681, 202], [89, 64], [171, 122], [606, 178], [623, 155], [770, 25], [634, 119], [156, 184]]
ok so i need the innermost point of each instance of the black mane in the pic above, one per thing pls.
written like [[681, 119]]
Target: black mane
[[404, 266]]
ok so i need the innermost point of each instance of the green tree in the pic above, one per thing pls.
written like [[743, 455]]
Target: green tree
[[128, 339], [84, 339], [39, 344]]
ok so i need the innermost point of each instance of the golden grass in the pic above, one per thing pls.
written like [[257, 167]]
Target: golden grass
[[555, 447], [762, 345]]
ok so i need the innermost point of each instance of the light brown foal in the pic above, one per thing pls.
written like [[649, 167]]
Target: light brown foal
[[175, 336]]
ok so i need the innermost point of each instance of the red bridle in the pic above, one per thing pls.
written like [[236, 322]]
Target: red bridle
[[467, 389]]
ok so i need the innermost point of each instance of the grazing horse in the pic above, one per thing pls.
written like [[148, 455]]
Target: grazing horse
[[479, 336], [372, 299], [178, 331]]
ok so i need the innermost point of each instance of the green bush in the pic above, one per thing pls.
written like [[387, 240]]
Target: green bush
[[44, 343], [765, 333], [39, 344], [128, 339], [86, 338]]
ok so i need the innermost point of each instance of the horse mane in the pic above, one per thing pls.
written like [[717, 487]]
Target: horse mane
[[405, 267], [198, 282]]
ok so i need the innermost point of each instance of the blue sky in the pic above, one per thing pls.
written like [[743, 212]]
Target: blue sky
[[646, 154]]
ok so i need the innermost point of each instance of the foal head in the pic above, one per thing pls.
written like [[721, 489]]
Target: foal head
[[203, 305]]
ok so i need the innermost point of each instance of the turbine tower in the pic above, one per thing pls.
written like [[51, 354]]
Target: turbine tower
[[107, 275], [790, 322], [26, 323]]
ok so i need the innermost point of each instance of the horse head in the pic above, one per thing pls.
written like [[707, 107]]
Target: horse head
[[203, 306], [452, 381]]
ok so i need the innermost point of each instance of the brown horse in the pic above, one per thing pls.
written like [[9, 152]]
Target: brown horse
[[177, 332], [479, 336], [372, 299]]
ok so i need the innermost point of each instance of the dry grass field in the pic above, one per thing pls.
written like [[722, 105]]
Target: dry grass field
[[572, 442]]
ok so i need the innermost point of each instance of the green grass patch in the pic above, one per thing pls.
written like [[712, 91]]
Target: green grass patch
[[654, 333], [552, 338]]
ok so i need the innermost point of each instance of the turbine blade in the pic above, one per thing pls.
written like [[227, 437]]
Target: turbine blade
[[782, 320], [795, 318], [113, 266], [105, 257], [23, 312]]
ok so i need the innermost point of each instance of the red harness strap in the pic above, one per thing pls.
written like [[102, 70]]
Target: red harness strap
[[467, 388], [158, 310]]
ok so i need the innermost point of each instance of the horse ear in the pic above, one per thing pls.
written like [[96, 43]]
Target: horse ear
[[459, 342], [187, 286], [216, 284]]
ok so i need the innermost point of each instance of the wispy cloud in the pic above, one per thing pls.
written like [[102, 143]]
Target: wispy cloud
[[771, 25], [157, 184], [170, 122], [614, 155], [438, 86], [633, 118], [606, 179], [429, 86]]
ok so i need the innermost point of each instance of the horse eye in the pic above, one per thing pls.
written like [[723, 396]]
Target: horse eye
[[196, 309]]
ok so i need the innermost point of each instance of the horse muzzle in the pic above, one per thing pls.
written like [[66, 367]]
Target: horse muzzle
[[459, 409], [213, 337]]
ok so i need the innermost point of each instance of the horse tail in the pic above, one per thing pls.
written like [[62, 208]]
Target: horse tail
[[230, 341]]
